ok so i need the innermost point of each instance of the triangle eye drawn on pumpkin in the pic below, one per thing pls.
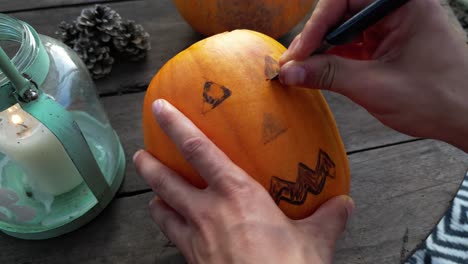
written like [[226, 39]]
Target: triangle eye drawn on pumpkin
[[272, 128], [308, 180], [213, 95]]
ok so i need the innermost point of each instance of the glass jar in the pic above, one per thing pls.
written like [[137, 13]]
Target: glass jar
[[43, 193]]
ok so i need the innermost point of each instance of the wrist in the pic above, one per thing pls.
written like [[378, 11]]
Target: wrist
[[459, 138], [453, 99], [457, 133]]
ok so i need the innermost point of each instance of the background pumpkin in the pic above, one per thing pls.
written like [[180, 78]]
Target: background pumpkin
[[284, 137], [271, 17]]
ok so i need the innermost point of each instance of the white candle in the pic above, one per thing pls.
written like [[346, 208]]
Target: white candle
[[32, 146]]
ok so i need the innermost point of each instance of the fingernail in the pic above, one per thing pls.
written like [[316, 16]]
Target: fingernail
[[283, 57], [349, 206], [136, 154], [293, 75], [295, 43], [157, 106]]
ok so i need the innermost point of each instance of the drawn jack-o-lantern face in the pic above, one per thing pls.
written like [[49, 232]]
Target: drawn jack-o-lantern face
[[284, 137]]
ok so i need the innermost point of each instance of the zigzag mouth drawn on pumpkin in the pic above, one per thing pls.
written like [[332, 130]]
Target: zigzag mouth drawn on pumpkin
[[213, 95], [308, 180]]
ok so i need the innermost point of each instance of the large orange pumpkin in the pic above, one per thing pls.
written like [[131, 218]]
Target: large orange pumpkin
[[284, 137], [271, 17]]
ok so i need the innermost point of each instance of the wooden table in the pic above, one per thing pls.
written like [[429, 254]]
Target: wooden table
[[401, 185]]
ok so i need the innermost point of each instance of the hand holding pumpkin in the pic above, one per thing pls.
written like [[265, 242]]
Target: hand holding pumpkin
[[234, 219], [416, 79]]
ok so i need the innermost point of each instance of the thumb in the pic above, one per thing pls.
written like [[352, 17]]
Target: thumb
[[330, 219], [329, 72]]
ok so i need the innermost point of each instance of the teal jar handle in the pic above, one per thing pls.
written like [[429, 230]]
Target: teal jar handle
[[20, 86], [19, 82], [58, 120]]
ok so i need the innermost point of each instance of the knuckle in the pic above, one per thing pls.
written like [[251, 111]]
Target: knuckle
[[159, 183], [326, 75], [237, 188], [204, 220], [192, 147]]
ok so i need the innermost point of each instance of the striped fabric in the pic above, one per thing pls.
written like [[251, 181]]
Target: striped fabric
[[448, 243]]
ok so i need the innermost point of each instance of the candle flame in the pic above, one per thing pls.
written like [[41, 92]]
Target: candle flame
[[16, 119]]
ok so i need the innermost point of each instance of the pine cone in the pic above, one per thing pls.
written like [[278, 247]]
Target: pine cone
[[132, 41], [98, 29], [68, 33], [96, 57], [101, 22]]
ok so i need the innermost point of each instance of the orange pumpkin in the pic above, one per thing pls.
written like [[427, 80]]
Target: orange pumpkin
[[271, 17], [284, 137]]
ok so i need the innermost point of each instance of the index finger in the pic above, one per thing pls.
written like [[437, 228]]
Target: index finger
[[327, 14], [207, 159]]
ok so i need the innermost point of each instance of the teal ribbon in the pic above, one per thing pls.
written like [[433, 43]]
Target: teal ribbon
[[51, 114], [61, 123]]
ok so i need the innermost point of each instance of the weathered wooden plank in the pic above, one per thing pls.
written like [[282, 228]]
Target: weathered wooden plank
[[399, 191], [8, 6], [358, 128], [115, 236]]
